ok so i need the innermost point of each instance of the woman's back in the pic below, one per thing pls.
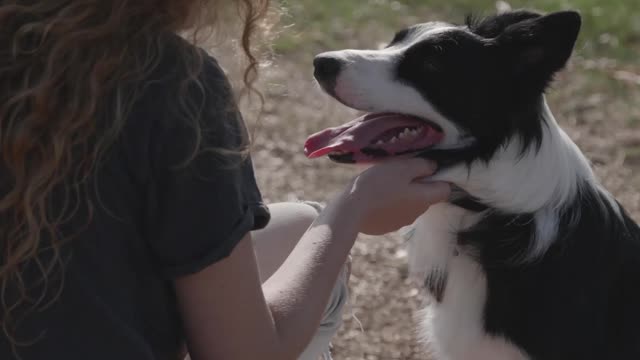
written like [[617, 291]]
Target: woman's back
[[151, 218]]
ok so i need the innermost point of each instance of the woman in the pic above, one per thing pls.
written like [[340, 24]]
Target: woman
[[131, 224]]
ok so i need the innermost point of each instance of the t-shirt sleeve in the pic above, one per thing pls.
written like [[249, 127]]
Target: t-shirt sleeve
[[205, 198]]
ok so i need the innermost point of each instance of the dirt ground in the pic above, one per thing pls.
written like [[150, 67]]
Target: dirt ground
[[596, 101]]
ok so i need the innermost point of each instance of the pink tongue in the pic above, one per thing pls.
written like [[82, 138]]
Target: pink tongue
[[358, 134]]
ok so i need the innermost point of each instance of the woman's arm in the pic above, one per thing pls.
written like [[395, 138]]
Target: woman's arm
[[228, 315]]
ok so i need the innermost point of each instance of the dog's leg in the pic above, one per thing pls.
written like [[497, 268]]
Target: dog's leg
[[454, 328], [432, 245]]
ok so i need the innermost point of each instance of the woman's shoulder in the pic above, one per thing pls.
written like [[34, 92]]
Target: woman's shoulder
[[180, 62], [186, 82], [186, 104]]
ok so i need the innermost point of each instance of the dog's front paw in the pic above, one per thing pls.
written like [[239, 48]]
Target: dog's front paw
[[432, 243], [436, 282]]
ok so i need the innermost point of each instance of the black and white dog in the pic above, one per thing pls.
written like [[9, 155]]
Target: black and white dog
[[532, 259]]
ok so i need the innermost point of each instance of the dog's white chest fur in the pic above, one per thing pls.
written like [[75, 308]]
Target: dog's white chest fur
[[453, 326]]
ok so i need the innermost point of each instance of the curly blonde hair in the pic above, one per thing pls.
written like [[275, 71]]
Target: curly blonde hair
[[63, 65]]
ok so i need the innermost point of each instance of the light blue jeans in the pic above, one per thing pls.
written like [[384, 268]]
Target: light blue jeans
[[288, 223]]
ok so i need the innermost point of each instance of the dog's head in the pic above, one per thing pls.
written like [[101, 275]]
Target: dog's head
[[447, 92]]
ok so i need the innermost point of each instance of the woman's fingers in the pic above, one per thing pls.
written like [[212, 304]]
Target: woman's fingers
[[412, 169], [433, 192], [417, 168]]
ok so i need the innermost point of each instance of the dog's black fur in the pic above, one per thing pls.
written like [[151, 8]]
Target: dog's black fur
[[580, 300]]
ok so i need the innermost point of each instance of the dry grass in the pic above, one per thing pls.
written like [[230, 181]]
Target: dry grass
[[595, 100]]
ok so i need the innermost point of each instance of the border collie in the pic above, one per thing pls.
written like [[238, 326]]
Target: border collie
[[532, 258]]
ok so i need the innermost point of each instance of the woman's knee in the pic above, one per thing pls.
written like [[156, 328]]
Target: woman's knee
[[293, 218], [289, 221], [320, 345]]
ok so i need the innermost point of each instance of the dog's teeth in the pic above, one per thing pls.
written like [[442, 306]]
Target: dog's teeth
[[393, 140], [402, 135], [380, 142]]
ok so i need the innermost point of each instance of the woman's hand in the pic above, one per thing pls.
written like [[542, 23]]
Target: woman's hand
[[393, 194]]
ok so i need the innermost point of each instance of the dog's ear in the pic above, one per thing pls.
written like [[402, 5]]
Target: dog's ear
[[541, 46]]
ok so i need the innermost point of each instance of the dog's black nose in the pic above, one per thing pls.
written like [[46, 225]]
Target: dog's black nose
[[326, 68]]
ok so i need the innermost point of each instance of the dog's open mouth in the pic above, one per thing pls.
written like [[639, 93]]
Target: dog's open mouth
[[374, 137]]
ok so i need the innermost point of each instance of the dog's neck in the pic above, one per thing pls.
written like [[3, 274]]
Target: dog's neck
[[519, 182], [541, 181]]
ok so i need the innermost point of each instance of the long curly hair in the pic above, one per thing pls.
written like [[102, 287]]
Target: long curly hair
[[64, 64]]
